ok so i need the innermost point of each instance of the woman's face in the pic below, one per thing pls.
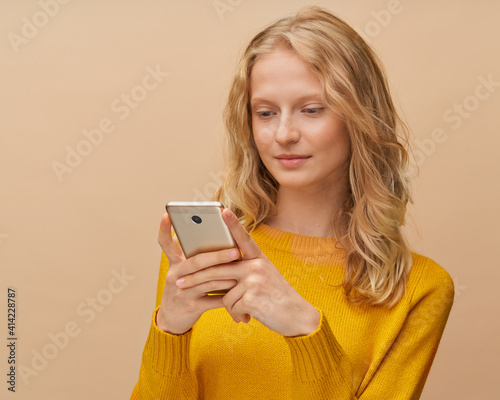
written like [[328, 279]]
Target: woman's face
[[302, 143]]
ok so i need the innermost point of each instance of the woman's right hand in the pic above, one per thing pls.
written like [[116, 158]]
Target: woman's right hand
[[181, 308]]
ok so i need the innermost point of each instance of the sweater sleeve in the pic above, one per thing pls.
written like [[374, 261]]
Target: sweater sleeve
[[322, 371], [320, 368], [165, 372]]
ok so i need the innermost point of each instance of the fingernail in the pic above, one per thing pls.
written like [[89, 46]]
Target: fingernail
[[233, 253], [230, 214], [179, 282]]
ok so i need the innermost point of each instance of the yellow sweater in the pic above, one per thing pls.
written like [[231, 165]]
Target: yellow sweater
[[358, 352]]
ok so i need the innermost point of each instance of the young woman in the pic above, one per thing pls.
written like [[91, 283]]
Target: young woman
[[327, 300]]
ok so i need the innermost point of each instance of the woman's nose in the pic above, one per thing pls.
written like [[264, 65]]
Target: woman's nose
[[287, 131]]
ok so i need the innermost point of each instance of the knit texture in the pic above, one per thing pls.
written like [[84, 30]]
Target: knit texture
[[357, 352]]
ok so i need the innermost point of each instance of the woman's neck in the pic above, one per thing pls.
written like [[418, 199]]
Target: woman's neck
[[306, 212]]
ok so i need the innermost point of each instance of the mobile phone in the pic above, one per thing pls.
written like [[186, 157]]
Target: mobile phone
[[200, 228]]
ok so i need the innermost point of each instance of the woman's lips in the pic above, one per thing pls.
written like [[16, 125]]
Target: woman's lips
[[292, 161]]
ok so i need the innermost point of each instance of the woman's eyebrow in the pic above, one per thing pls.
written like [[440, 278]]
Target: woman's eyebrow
[[307, 96]]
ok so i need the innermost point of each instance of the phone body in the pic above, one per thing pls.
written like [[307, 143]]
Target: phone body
[[200, 228]]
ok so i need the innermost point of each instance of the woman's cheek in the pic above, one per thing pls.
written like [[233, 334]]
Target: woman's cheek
[[263, 133]]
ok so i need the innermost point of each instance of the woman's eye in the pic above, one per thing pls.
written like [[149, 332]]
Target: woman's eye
[[313, 110], [264, 113]]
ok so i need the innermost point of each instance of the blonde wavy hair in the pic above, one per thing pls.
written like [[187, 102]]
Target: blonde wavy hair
[[369, 225]]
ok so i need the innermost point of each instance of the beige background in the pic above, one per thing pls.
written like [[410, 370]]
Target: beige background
[[63, 240]]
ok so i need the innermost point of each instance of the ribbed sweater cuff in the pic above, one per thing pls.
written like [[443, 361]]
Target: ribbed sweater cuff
[[316, 355], [168, 354]]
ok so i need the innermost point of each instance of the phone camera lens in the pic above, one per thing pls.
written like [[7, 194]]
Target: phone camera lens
[[196, 219]]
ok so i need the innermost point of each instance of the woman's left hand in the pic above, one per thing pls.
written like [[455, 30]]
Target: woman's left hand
[[261, 292]]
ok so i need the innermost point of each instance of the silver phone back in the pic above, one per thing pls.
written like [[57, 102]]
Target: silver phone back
[[210, 234]]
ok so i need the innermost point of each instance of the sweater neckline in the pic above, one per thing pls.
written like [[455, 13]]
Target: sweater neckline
[[295, 242]]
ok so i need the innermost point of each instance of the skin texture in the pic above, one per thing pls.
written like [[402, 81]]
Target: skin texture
[[288, 117]]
